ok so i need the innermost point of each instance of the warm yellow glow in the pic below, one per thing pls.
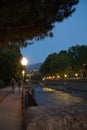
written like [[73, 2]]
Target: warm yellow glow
[[58, 76], [48, 89], [23, 72], [65, 76], [24, 61], [76, 74], [53, 77], [43, 79]]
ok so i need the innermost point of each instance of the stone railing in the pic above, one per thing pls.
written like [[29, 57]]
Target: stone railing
[[27, 97], [56, 118]]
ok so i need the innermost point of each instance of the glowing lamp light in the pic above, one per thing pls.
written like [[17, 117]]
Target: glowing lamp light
[[65, 76], [76, 74], [23, 72], [24, 61]]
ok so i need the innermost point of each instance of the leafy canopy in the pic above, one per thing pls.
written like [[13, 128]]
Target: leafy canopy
[[66, 62], [10, 65], [29, 19]]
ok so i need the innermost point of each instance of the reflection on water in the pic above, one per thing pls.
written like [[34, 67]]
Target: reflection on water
[[47, 96], [48, 89]]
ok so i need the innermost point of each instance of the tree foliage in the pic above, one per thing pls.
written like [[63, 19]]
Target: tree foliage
[[55, 63], [78, 57], [69, 62], [9, 63], [29, 19], [36, 77]]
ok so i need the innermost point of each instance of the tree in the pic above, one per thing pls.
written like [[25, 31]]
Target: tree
[[29, 19], [63, 62], [78, 57], [56, 64], [10, 66], [50, 65], [36, 76], [66, 62]]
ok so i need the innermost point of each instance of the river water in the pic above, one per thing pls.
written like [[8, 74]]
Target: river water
[[47, 96]]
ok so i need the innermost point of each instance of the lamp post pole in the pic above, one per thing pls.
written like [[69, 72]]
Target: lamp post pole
[[23, 73]]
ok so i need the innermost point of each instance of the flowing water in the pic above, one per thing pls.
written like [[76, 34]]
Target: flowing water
[[47, 96]]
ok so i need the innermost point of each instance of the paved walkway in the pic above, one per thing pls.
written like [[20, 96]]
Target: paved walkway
[[11, 111]]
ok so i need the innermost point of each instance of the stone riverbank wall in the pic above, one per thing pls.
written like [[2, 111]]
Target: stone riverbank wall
[[27, 97], [71, 117], [67, 85]]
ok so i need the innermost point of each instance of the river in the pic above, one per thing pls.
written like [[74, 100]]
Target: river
[[47, 96]]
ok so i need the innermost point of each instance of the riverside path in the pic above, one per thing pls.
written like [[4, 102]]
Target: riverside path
[[10, 110]]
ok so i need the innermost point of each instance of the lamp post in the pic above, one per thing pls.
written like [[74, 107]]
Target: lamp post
[[24, 62]]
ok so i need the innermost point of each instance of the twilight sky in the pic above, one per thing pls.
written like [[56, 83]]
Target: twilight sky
[[70, 32]]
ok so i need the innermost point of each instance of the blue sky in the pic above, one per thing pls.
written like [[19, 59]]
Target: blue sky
[[70, 32]]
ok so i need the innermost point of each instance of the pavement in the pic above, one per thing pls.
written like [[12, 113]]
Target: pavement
[[10, 110]]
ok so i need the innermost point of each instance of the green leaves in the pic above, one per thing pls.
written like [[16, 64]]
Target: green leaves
[[66, 62], [9, 63], [29, 19]]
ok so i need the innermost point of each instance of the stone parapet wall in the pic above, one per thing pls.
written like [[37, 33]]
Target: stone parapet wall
[[73, 85], [72, 117], [77, 85], [27, 97]]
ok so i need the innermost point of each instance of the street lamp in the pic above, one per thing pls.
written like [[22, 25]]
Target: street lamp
[[76, 75], [24, 62]]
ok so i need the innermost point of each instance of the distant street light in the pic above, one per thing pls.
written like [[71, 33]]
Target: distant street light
[[76, 75], [65, 75], [23, 73]]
